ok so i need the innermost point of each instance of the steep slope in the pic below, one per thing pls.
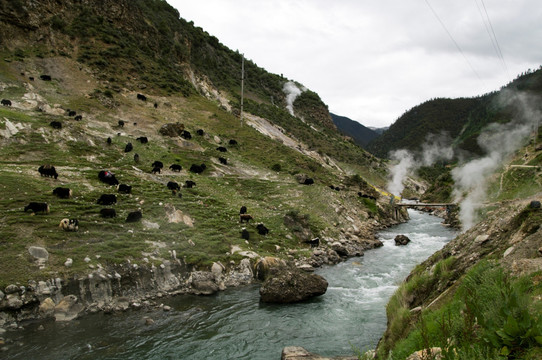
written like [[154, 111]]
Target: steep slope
[[362, 135]]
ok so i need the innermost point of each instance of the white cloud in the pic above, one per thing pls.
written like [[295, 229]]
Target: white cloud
[[373, 60]]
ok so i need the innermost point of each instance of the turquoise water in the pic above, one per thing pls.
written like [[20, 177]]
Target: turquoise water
[[235, 325]]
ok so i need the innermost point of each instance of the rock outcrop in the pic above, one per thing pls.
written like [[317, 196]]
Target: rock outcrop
[[292, 285]]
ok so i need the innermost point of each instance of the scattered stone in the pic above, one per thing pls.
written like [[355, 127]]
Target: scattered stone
[[11, 289], [481, 239], [68, 263], [535, 204], [1, 295], [539, 254], [401, 240], [47, 307], [434, 353], [166, 308], [148, 321], [508, 251], [87, 259], [68, 308], [41, 328], [203, 282], [40, 254]]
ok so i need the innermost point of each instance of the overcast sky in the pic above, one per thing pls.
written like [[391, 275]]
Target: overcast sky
[[372, 60]]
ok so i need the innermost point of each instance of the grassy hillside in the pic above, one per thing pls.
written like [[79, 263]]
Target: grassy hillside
[[98, 65]]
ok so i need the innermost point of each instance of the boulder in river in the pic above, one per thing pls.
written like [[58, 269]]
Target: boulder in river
[[292, 285], [401, 240]]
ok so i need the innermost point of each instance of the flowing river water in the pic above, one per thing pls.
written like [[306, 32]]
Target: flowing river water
[[234, 325]]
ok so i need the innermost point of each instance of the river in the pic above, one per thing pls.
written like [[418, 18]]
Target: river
[[233, 324]]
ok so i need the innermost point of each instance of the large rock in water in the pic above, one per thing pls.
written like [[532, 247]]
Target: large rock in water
[[401, 240], [299, 353], [292, 285]]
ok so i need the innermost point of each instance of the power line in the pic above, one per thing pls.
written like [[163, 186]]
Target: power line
[[453, 40], [499, 52]]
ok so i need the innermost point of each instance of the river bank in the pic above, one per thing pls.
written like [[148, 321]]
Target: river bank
[[234, 324]]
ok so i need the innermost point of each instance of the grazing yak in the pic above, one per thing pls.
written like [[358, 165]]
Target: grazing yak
[[198, 169], [72, 113], [245, 217], [125, 189], [336, 188], [129, 147], [63, 193], [262, 230], [45, 77], [109, 141], [223, 161], [200, 132], [175, 167], [78, 118], [134, 216], [142, 139], [31, 78], [172, 185], [243, 210], [141, 97], [37, 207], [308, 181], [136, 157], [158, 164], [108, 213], [189, 184], [56, 124], [156, 169], [108, 177], [366, 196], [156, 105], [48, 171], [6, 102], [186, 135], [222, 149], [233, 142], [245, 234], [313, 243], [121, 123], [69, 224], [107, 199]]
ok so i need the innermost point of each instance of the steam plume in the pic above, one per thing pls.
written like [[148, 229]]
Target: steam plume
[[498, 141], [292, 92], [435, 148]]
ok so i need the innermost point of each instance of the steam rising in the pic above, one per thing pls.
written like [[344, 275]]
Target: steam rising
[[471, 178], [435, 148], [292, 92], [498, 141]]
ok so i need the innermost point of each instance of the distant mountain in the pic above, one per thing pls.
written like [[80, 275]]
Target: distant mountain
[[462, 118], [379, 131], [362, 135]]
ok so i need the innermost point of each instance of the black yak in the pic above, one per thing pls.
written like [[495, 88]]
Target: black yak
[[222, 149], [56, 124], [108, 177], [186, 135], [189, 184], [121, 123], [262, 230], [198, 169], [108, 213], [223, 161], [48, 171], [107, 199], [78, 118], [232, 142], [243, 210], [172, 185], [141, 97], [63, 193], [37, 207], [143, 139], [6, 102], [123, 188], [158, 164], [200, 132], [45, 77], [129, 147], [245, 234], [134, 216], [136, 157], [72, 113], [176, 167]]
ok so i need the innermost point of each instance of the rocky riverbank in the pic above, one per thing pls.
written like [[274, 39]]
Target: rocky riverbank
[[133, 286]]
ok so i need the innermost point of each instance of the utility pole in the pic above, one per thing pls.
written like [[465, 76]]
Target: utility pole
[[242, 84]]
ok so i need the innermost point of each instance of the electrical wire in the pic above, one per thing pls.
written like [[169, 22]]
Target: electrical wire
[[498, 48], [453, 40]]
